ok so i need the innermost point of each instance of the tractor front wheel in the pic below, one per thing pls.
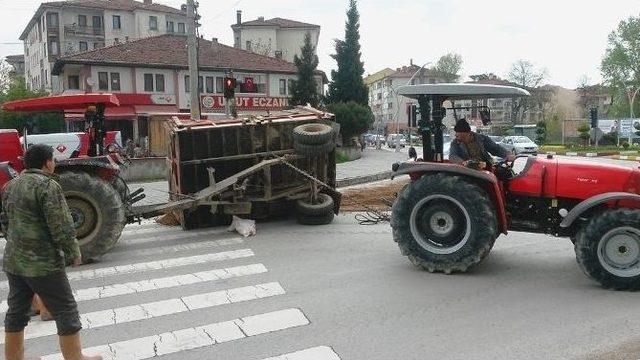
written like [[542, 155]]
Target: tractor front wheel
[[608, 250], [444, 223], [97, 211]]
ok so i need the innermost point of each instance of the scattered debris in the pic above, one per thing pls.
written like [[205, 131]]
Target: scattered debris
[[244, 227], [378, 196]]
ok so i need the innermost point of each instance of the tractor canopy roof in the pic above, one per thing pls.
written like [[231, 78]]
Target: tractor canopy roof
[[62, 102], [461, 91]]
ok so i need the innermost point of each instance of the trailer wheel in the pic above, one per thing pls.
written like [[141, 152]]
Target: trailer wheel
[[314, 150], [444, 223], [97, 211], [321, 213], [608, 250], [313, 134]]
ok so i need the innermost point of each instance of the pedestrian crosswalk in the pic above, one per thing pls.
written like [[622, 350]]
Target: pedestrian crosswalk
[[163, 292]]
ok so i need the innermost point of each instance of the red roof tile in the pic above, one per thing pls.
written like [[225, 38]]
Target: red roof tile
[[170, 51]]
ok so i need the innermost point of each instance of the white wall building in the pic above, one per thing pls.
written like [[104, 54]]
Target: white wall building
[[388, 107], [68, 27], [277, 37]]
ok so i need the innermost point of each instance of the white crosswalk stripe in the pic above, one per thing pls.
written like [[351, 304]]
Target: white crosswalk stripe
[[134, 287], [126, 332], [316, 353], [151, 265], [147, 311], [197, 337]]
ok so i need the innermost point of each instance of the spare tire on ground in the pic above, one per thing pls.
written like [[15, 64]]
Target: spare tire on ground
[[97, 211], [313, 134], [320, 213]]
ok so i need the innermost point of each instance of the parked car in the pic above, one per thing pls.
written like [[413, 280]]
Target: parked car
[[519, 145], [394, 140], [496, 139]]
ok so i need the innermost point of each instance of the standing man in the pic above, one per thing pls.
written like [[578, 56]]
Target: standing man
[[40, 236], [470, 146]]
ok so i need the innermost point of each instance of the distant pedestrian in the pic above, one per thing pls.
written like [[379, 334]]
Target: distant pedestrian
[[40, 236]]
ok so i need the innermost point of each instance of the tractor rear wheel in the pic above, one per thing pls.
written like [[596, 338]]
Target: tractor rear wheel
[[97, 211], [608, 250], [444, 223]]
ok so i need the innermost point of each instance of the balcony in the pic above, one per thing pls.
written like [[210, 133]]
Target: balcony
[[75, 30]]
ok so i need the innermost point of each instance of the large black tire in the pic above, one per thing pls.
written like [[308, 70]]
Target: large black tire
[[608, 250], [314, 150], [97, 211], [444, 223], [321, 213], [313, 134]]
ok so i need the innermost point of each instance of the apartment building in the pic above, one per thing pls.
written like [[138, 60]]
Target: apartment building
[[386, 104], [64, 28], [277, 37]]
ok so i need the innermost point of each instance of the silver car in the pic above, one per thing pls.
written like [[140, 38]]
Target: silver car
[[519, 145]]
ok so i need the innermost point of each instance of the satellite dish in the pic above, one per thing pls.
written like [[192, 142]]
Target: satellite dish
[[91, 81]]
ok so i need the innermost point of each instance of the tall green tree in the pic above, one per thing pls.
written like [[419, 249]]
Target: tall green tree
[[305, 90], [450, 65], [621, 63], [346, 82], [35, 123]]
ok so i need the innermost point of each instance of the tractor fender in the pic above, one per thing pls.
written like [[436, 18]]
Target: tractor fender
[[416, 169], [594, 201], [103, 166]]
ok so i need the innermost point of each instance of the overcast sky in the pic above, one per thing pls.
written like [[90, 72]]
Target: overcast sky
[[567, 37]]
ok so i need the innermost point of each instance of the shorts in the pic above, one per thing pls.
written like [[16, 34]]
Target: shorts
[[56, 294]]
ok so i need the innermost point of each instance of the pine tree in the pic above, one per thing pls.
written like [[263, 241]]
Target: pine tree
[[346, 82], [305, 90]]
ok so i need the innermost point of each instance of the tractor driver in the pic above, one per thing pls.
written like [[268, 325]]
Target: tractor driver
[[470, 147]]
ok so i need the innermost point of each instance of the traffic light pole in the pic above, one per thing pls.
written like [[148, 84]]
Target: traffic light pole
[[192, 43]]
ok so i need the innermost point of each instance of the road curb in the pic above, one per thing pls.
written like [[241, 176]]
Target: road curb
[[359, 180]]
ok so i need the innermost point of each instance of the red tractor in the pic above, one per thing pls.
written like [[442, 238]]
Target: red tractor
[[448, 218], [97, 196]]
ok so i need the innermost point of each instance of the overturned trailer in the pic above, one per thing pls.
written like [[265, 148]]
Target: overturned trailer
[[255, 167]]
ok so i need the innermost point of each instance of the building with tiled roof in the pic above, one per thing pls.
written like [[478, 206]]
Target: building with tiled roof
[[159, 66], [63, 28], [17, 65], [277, 37]]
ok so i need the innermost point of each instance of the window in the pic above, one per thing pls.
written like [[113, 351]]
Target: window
[[379, 96], [219, 85], [210, 85], [82, 20], [115, 81], [103, 81], [153, 22], [83, 46], [96, 45], [46, 78], [52, 20], [117, 24], [74, 82], [181, 29], [187, 84], [44, 48], [97, 25], [200, 84], [159, 83], [283, 86], [251, 83], [116, 40], [390, 106], [170, 27], [248, 46], [278, 54], [148, 82]]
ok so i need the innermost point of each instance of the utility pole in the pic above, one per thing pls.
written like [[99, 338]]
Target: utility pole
[[192, 44]]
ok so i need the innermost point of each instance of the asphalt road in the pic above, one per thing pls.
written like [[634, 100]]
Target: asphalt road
[[342, 291]]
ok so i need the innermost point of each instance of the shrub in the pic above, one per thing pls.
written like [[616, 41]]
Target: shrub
[[354, 118]]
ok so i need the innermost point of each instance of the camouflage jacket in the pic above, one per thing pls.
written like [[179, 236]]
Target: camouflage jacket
[[38, 226]]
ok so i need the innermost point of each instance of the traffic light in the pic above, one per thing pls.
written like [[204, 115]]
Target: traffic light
[[593, 115], [229, 88]]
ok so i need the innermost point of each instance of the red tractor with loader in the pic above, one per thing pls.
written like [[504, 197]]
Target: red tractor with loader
[[448, 218]]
